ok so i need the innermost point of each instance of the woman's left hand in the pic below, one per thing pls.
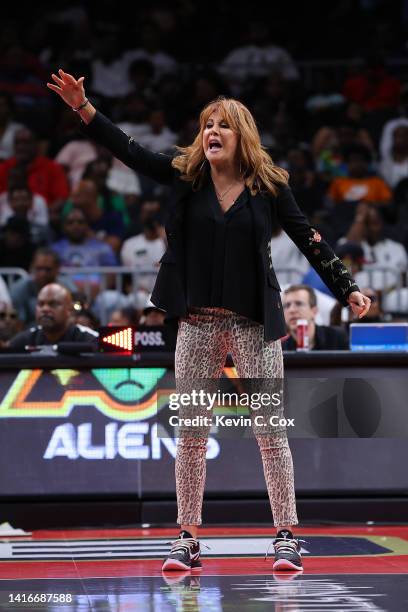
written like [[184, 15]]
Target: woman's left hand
[[360, 304]]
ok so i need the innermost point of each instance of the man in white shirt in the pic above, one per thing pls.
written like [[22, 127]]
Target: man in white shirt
[[258, 58], [146, 249], [37, 212], [8, 128], [367, 230], [150, 49]]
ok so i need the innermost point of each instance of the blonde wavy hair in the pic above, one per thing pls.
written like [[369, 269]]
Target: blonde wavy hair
[[257, 168]]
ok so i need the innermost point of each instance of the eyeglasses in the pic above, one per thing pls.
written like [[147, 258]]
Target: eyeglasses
[[8, 315], [295, 303]]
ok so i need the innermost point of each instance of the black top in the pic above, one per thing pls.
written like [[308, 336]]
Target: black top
[[268, 212], [36, 337], [220, 251], [326, 339]]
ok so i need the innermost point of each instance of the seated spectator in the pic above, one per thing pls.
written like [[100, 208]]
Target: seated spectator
[[257, 58], [352, 256], [400, 119], [373, 89], [108, 301], [79, 249], [359, 185], [395, 304], [16, 245], [270, 94], [141, 212], [100, 172], [44, 271], [74, 156], [85, 317], [125, 316], [399, 217], [394, 165], [159, 138], [307, 188], [285, 254], [152, 315], [146, 249], [299, 302], [53, 317], [203, 88], [8, 127], [20, 201], [109, 66], [151, 49], [38, 210], [141, 76], [10, 324], [22, 75], [325, 101], [45, 176], [134, 112], [368, 231], [330, 142], [107, 224]]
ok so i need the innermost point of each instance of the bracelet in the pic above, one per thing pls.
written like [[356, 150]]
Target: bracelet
[[76, 110]]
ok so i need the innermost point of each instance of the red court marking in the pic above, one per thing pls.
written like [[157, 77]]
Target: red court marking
[[400, 531], [380, 564], [16, 570]]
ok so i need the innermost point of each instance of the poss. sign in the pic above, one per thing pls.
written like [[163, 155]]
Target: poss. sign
[[130, 339]]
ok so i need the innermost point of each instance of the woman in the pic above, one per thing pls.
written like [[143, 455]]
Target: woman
[[217, 278]]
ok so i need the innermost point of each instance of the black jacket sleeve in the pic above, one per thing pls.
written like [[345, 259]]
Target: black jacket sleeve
[[316, 250], [157, 166]]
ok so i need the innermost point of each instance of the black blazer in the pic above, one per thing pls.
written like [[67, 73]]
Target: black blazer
[[268, 213]]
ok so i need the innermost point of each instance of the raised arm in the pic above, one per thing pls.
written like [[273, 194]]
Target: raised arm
[[99, 128]]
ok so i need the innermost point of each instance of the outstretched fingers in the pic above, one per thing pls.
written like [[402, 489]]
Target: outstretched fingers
[[57, 79], [54, 87], [67, 77]]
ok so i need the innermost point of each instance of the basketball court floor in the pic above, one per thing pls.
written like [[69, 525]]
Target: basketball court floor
[[348, 568]]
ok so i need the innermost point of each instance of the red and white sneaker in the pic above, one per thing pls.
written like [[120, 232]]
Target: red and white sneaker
[[287, 552], [184, 554]]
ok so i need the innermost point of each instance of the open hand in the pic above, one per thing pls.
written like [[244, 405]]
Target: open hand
[[359, 303], [71, 90]]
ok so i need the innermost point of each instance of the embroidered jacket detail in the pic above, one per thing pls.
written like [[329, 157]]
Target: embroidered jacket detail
[[315, 237]]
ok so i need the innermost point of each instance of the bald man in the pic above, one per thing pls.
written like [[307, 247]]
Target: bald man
[[53, 316]]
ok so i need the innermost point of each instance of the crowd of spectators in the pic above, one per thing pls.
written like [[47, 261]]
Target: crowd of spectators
[[64, 202]]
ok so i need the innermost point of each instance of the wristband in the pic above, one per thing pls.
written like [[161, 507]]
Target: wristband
[[76, 110]]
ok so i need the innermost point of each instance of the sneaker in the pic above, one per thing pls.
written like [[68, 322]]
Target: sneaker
[[287, 552], [184, 554]]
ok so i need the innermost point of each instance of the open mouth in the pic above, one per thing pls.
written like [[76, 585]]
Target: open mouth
[[214, 146]]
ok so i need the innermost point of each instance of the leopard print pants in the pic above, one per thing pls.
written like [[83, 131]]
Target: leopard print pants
[[204, 339]]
